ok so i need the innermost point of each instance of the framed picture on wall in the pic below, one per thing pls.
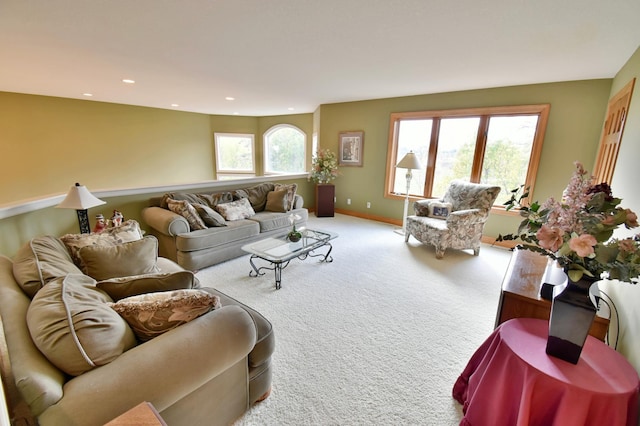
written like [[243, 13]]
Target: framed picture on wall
[[351, 148]]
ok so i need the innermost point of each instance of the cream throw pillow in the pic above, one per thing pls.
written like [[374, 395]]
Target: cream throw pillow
[[236, 210], [150, 315]]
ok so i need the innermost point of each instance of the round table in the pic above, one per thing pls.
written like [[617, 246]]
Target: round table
[[510, 380]]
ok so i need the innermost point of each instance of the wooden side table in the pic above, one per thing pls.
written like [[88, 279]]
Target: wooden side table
[[143, 414], [520, 295]]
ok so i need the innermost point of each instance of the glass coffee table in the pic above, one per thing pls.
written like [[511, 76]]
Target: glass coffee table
[[278, 252]]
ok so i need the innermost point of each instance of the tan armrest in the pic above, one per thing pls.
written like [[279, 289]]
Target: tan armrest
[[161, 371], [470, 215], [165, 221]]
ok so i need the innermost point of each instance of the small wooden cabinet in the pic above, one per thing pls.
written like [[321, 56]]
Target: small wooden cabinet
[[520, 295], [325, 195]]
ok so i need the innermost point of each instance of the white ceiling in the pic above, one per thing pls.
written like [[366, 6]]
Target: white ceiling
[[271, 55]]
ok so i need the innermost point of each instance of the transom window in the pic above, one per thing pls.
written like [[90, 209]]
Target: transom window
[[499, 146], [284, 149], [235, 155]]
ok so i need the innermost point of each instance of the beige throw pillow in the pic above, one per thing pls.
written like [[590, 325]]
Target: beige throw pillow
[[72, 324], [150, 315], [41, 260], [128, 231], [236, 210], [120, 288], [291, 193], [277, 201], [133, 258], [186, 210]]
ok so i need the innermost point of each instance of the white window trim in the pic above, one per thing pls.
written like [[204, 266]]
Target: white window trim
[[265, 150], [228, 172]]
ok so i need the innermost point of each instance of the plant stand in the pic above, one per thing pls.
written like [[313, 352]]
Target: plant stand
[[325, 195]]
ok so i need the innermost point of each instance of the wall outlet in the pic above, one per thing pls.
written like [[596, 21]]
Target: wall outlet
[[368, 204], [349, 201]]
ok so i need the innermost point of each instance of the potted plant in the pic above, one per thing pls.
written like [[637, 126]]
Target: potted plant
[[324, 169], [294, 235], [576, 232]]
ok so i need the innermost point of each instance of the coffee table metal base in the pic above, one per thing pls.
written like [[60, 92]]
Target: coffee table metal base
[[278, 266]]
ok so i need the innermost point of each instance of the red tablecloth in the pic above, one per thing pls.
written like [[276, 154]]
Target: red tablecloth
[[510, 380]]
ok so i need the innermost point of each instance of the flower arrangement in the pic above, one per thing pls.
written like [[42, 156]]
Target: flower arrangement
[[294, 235], [577, 231], [324, 167]]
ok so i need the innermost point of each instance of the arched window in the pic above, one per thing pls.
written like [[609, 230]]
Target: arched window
[[284, 149]]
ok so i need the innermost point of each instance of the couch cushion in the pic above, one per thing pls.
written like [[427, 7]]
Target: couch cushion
[[72, 325], [213, 237], [270, 221], [291, 192], [128, 231], [209, 216], [186, 210], [122, 260], [152, 314], [119, 288], [236, 210], [277, 201], [41, 260]]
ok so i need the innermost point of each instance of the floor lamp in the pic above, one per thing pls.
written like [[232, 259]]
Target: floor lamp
[[409, 161], [80, 199]]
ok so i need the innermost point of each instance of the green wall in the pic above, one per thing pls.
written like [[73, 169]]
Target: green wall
[[50, 143], [573, 131]]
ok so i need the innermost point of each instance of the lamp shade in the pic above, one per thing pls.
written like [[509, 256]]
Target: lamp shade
[[409, 161], [79, 198]]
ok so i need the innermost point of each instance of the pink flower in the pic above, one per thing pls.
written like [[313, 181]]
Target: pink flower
[[550, 238], [632, 219], [627, 245], [583, 245]]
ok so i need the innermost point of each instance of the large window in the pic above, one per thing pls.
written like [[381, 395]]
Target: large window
[[499, 146], [235, 155], [284, 149]]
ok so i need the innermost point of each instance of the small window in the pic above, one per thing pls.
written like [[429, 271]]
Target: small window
[[235, 155], [284, 150]]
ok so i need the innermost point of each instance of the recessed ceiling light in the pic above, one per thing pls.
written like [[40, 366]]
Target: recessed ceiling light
[[87, 94], [236, 113], [290, 108], [175, 105], [230, 98], [128, 81]]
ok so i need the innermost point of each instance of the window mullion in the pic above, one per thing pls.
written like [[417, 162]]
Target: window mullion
[[430, 167], [481, 143]]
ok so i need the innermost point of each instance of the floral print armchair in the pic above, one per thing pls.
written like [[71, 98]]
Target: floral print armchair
[[456, 221]]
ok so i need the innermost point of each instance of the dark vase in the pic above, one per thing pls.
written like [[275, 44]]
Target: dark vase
[[294, 236], [572, 313]]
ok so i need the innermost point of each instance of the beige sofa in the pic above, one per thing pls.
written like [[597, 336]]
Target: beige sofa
[[196, 249], [208, 371]]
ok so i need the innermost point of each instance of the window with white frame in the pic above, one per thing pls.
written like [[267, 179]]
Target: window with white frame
[[284, 149], [498, 145], [235, 155]]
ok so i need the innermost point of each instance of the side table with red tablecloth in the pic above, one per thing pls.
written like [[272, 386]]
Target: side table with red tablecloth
[[510, 380]]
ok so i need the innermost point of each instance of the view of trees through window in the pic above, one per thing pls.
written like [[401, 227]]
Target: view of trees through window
[[284, 149], [234, 154], [493, 146]]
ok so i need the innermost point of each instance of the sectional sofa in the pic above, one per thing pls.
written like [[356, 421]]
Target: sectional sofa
[[96, 324], [222, 232]]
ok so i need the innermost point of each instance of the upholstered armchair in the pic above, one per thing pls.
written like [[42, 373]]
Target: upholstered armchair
[[456, 221]]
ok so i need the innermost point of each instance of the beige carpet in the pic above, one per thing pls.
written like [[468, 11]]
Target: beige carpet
[[379, 336]]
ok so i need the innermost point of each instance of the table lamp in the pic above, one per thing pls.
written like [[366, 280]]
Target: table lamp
[[409, 161], [80, 199]]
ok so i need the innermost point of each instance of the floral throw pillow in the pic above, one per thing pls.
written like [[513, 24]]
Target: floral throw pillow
[[152, 314], [439, 210], [291, 193], [186, 210], [236, 210]]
